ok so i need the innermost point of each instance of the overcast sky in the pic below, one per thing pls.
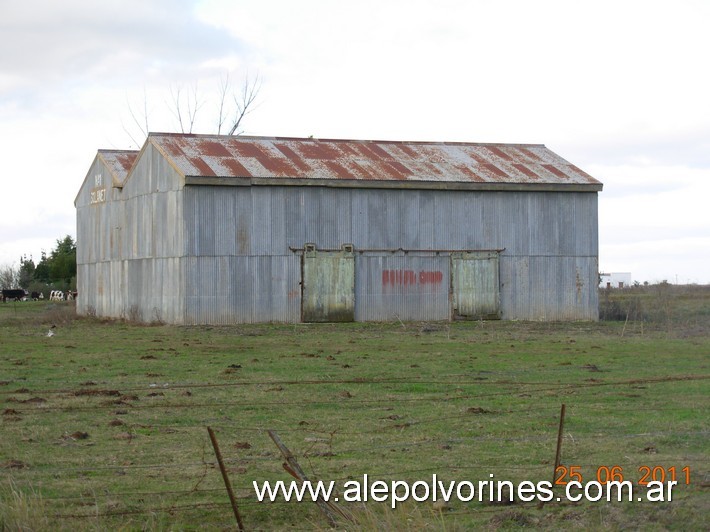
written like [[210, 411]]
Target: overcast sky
[[619, 88]]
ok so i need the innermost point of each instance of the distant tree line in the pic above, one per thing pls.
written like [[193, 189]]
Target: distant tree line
[[56, 271]]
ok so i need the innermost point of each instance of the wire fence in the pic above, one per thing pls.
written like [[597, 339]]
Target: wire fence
[[125, 458]]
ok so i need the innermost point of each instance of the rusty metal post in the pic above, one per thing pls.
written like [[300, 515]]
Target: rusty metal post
[[294, 469], [227, 484], [558, 452]]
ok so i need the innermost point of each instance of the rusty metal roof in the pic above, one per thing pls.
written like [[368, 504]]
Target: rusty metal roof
[[365, 162], [119, 163]]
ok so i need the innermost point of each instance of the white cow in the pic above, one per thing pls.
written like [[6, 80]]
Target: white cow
[[56, 295]]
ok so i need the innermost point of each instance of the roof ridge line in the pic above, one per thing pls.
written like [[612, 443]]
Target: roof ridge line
[[364, 141]]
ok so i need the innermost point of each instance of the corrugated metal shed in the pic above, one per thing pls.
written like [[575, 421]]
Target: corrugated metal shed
[[210, 156], [204, 229]]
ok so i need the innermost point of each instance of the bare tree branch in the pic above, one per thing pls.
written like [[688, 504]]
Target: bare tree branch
[[223, 88], [185, 105], [9, 277], [136, 121], [177, 108], [196, 105], [141, 127], [192, 109], [245, 100], [185, 110], [145, 111], [130, 135]]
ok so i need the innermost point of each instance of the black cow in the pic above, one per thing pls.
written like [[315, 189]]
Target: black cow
[[13, 295]]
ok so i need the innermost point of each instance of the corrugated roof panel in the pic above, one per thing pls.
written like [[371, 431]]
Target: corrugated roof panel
[[292, 156], [527, 153], [236, 168], [340, 170], [318, 151], [361, 171], [495, 170], [277, 165], [557, 171], [269, 157], [202, 166], [580, 172], [214, 149], [119, 163], [499, 152], [472, 175], [527, 171]]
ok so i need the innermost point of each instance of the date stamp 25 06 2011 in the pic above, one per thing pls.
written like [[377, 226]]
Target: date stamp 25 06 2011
[[615, 473]]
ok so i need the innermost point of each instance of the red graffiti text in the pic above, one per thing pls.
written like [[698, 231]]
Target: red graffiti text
[[410, 277]]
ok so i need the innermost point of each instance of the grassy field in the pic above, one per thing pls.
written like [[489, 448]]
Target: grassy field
[[104, 423]]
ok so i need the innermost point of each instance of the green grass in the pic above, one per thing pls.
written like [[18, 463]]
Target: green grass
[[462, 400]]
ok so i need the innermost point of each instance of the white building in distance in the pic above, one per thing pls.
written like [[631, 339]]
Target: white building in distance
[[615, 280]]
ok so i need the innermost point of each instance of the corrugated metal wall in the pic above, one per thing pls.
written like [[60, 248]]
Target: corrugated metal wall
[[242, 289], [130, 247], [409, 287], [548, 262], [270, 219]]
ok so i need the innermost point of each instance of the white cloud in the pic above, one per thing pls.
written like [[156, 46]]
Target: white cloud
[[677, 260], [618, 88], [484, 70], [653, 221]]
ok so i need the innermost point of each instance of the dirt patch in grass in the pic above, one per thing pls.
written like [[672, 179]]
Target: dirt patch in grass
[[96, 392], [14, 464]]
